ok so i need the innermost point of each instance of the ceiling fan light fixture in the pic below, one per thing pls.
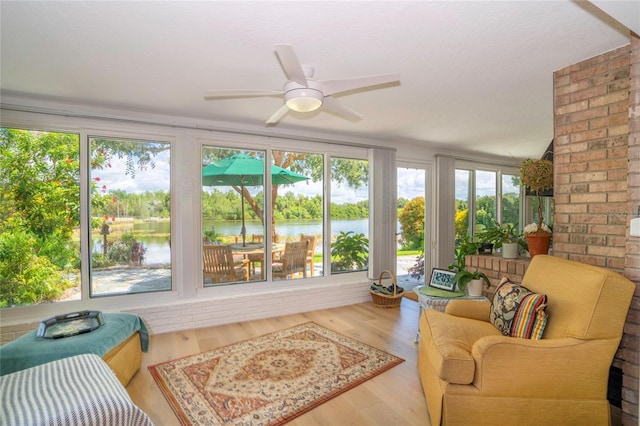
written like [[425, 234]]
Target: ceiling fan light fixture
[[304, 104], [304, 100]]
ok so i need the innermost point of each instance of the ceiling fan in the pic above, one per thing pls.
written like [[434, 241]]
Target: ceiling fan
[[303, 93]]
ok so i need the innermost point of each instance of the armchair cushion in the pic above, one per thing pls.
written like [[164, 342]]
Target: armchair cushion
[[518, 312], [452, 339]]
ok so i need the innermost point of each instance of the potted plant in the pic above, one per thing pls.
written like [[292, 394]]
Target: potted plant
[[505, 236], [473, 280], [537, 175], [464, 246]]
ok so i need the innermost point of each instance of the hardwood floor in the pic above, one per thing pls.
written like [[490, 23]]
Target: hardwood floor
[[393, 398]]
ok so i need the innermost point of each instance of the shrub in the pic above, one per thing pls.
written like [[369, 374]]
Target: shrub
[[349, 252], [25, 277], [411, 219]]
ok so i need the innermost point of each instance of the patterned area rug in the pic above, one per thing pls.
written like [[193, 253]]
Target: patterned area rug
[[268, 380]]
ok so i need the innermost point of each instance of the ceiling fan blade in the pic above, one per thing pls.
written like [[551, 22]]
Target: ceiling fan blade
[[331, 87], [291, 65], [331, 104], [235, 93], [277, 116]]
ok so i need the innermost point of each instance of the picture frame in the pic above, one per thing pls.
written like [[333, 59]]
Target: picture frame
[[442, 279]]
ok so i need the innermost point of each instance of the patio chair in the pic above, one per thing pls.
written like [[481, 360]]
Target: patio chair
[[310, 251], [256, 258], [219, 266], [292, 261]]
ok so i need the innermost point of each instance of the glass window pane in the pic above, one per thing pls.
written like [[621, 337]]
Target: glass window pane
[[462, 203], [411, 208], [485, 204], [298, 197], [349, 215], [39, 217], [510, 198], [232, 215], [130, 216], [411, 224]]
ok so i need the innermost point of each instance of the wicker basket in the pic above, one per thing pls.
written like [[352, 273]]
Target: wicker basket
[[387, 300]]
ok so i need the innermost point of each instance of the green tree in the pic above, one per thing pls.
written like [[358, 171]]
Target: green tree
[[485, 210], [462, 224], [40, 207], [411, 219]]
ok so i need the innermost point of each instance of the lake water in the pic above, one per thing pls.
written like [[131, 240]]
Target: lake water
[[158, 248]]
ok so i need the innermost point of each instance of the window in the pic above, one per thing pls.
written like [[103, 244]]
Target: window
[[233, 216], [484, 196], [39, 217], [349, 215], [298, 199], [130, 216], [412, 214], [297, 214], [462, 203], [510, 197]]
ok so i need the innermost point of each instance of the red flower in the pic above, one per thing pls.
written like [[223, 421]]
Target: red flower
[[106, 217], [113, 219], [97, 179], [114, 199]]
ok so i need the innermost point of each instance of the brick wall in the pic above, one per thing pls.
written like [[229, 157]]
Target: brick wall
[[495, 267], [632, 266], [597, 184]]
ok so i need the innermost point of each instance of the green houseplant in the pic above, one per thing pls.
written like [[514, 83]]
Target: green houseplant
[[464, 246], [473, 279], [504, 235], [500, 233]]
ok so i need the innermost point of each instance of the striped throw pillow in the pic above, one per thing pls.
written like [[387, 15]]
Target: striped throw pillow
[[518, 312]]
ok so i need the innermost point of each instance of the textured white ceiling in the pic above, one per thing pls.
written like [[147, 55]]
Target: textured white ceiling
[[476, 76]]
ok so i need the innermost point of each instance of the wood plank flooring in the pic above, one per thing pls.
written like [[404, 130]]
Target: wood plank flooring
[[393, 398]]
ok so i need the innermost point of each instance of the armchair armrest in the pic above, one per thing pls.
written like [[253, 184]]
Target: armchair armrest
[[521, 367], [474, 309]]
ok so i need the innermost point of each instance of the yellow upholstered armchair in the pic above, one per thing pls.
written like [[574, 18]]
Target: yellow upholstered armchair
[[472, 373]]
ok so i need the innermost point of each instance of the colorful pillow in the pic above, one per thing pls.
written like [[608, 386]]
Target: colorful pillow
[[518, 312]]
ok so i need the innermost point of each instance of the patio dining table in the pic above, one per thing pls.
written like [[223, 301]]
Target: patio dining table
[[255, 252]]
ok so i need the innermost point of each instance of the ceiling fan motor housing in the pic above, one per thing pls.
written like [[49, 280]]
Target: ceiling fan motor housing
[[303, 99]]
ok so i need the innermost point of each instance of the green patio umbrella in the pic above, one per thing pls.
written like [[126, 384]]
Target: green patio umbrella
[[243, 170]]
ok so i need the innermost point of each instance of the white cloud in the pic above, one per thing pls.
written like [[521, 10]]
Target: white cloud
[[411, 183], [151, 179]]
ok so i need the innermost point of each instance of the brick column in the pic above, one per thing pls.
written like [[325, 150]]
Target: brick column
[[631, 339], [597, 181]]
